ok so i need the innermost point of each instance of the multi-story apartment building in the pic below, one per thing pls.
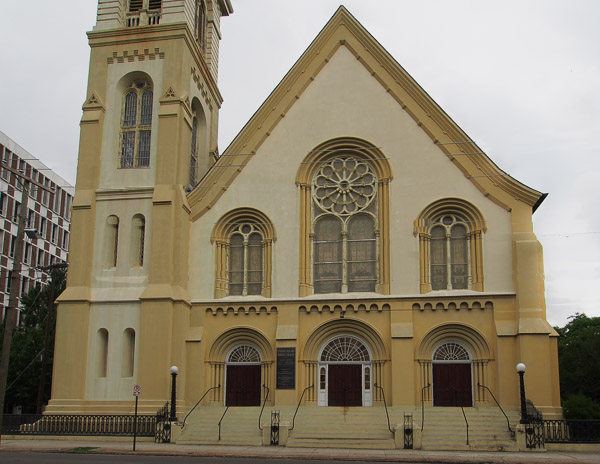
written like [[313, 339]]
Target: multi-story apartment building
[[48, 216]]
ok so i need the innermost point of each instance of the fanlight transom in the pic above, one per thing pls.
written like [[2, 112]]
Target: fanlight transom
[[451, 352], [345, 349], [244, 354]]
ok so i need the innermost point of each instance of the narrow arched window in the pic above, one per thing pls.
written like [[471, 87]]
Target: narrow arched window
[[138, 237], [246, 256], [362, 261], [136, 125], [128, 354], [449, 253], [111, 241], [201, 24], [101, 353], [194, 153], [327, 261]]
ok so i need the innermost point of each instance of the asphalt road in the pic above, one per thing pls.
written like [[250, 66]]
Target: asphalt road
[[10, 457]]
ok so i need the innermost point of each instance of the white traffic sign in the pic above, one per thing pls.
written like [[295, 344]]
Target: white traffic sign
[[137, 389]]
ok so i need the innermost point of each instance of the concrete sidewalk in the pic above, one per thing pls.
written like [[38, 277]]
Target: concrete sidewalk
[[112, 446]]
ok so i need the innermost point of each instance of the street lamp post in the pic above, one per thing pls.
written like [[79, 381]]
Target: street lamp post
[[174, 370], [521, 370]]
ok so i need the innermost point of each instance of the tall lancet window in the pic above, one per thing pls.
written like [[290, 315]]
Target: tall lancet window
[[246, 257], [345, 209], [449, 253], [136, 126], [194, 154], [201, 24]]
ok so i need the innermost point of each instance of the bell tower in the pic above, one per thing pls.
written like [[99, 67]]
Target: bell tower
[[148, 134]]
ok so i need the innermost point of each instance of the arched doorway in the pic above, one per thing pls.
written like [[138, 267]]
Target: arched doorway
[[345, 372], [243, 374], [452, 379]]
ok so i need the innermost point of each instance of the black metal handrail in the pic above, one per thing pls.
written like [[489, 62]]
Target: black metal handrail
[[192, 410], [263, 406], [466, 422], [226, 409], [507, 420], [297, 407], [423, 405], [385, 404]]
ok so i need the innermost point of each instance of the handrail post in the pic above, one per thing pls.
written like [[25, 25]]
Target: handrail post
[[226, 409], [297, 407], [263, 406], [423, 405], [467, 422], [385, 404]]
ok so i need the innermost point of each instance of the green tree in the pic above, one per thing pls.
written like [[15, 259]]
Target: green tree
[[579, 364], [28, 345]]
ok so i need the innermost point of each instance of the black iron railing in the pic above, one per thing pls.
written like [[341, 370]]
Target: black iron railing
[[423, 405], [78, 424], [221, 421], [507, 421], [466, 422], [297, 407], [191, 410], [571, 431], [385, 405], [263, 406]]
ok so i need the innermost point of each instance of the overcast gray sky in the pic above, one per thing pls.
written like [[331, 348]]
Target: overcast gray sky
[[521, 77]]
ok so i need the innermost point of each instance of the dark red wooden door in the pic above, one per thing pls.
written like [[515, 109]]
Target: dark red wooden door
[[345, 385], [243, 385], [452, 385]]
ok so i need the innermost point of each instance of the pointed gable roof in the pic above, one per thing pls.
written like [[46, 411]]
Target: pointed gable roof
[[343, 30]]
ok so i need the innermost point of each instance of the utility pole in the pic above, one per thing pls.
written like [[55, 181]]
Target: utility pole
[[11, 313], [50, 312]]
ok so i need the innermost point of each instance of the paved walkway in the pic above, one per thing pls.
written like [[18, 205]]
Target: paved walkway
[[113, 446]]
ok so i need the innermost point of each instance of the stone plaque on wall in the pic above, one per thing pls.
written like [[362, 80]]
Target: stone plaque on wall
[[286, 368]]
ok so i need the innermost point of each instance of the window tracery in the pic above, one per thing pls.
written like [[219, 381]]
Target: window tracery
[[451, 351], [243, 239], [344, 219], [245, 260], [450, 233], [244, 354], [136, 125], [343, 349]]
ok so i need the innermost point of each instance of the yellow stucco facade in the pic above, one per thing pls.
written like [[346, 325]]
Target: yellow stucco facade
[[351, 220]]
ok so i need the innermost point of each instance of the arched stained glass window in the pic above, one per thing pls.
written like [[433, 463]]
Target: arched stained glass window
[[244, 354], [328, 255], [451, 352], [136, 126], [449, 253], [345, 349], [246, 255], [362, 261], [344, 192]]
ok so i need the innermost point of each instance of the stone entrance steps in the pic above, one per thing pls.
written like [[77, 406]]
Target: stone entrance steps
[[239, 426], [445, 429], [339, 427], [354, 427]]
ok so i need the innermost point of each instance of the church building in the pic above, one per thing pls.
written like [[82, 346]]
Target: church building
[[351, 245]]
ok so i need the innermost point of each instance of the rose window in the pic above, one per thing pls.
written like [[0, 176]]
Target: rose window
[[344, 185]]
